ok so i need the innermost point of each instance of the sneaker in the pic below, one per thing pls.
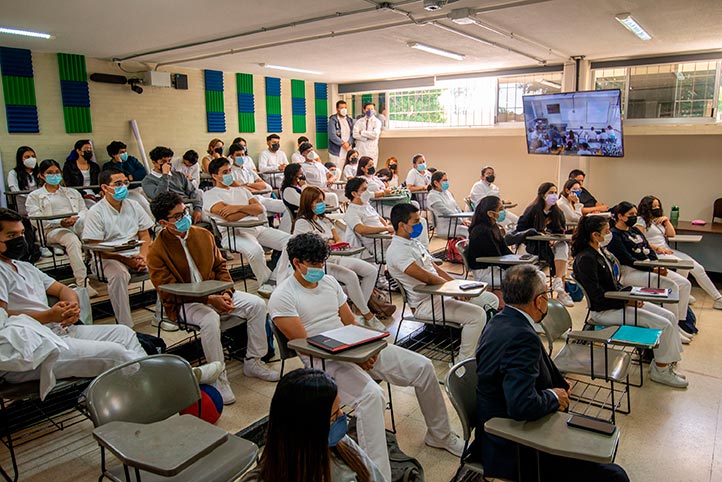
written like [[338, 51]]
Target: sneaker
[[684, 338], [452, 443], [255, 368], [674, 369], [265, 290], [224, 388], [382, 284], [564, 298], [207, 374], [666, 376], [60, 252], [45, 252], [717, 304], [373, 323], [91, 291], [692, 300], [685, 328], [164, 325]]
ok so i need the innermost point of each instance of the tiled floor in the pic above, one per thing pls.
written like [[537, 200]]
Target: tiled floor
[[670, 434]]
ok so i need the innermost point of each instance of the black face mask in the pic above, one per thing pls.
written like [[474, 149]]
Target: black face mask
[[393, 167], [17, 248], [371, 170], [656, 212], [87, 155], [218, 150], [490, 178], [631, 221], [275, 147]]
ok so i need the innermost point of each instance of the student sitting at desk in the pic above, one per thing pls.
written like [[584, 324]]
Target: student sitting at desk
[[53, 199], [591, 205], [486, 239], [411, 264], [392, 164], [228, 201], [188, 166], [569, 202], [247, 159], [309, 303], [24, 177], [214, 151], [657, 228], [367, 170], [418, 178], [597, 271], [182, 253], [545, 216], [297, 157], [362, 219], [272, 159], [248, 178], [133, 169], [629, 245], [350, 165], [293, 183], [117, 220], [316, 173], [517, 379], [80, 170], [442, 203], [309, 448], [85, 351], [486, 187], [357, 275]]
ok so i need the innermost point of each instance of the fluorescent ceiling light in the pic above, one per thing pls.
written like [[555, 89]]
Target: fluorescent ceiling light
[[25, 33], [291, 69], [549, 83], [436, 51], [628, 21]]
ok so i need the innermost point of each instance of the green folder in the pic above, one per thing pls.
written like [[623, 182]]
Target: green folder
[[637, 334]]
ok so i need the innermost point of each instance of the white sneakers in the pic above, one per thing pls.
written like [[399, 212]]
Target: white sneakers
[[224, 388], [692, 300], [684, 336], [207, 374], [265, 290], [45, 252], [452, 443], [562, 296], [164, 325], [91, 291], [667, 376], [717, 304], [255, 368]]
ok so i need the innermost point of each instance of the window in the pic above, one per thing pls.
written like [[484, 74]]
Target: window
[[607, 79], [512, 89]]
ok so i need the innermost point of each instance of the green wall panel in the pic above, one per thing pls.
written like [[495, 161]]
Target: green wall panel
[[72, 67], [77, 120], [19, 90]]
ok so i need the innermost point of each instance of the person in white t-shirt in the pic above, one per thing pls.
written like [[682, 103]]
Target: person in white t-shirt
[[249, 179], [272, 159], [297, 157], [84, 350], [247, 160], [418, 178], [228, 201], [366, 131], [350, 165], [410, 263], [442, 203], [316, 173], [116, 220], [189, 167], [309, 303], [486, 187]]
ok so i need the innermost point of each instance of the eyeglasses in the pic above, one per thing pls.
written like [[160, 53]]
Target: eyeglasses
[[177, 217], [120, 183]]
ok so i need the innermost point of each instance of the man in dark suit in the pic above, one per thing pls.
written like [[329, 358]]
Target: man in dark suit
[[518, 380]]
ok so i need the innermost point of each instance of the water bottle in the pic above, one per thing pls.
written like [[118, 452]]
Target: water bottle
[[674, 216]]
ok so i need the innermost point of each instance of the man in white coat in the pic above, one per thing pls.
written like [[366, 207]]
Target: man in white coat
[[366, 131]]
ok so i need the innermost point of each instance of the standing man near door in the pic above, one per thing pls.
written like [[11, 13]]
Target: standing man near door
[[340, 138], [366, 131]]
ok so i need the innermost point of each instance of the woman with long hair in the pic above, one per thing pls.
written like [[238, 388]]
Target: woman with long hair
[[80, 170], [486, 238], [569, 202], [306, 439], [629, 245], [442, 203], [24, 177], [293, 182], [357, 275], [544, 215], [214, 151], [597, 271], [350, 165], [367, 170], [657, 228], [392, 164]]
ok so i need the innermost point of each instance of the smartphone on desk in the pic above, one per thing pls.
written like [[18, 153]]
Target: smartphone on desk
[[591, 424], [525, 256], [471, 286]]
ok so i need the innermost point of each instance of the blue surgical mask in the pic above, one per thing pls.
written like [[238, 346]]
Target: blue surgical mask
[[338, 430], [239, 161], [501, 216], [53, 179], [124, 156], [416, 230], [120, 193], [369, 113], [445, 185], [577, 193], [421, 167], [227, 179], [184, 223], [320, 208], [314, 275]]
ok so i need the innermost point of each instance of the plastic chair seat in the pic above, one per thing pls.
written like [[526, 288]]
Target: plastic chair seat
[[575, 358]]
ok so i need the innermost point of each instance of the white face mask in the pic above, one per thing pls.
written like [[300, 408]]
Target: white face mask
[[30, 162], [366, 196], [312, 155], [343, 111], [607, 239]]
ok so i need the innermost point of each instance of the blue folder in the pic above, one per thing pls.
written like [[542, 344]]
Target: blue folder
[[637, 334]]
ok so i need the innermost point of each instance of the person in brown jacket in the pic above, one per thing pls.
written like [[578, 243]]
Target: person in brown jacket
[[182, 253]]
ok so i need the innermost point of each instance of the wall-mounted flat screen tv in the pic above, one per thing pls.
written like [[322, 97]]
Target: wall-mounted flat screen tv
[[574, 123]]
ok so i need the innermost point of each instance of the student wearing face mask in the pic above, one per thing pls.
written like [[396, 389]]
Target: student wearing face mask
[[118, 220], [247, 159], [486, 187], [340, 133], [361, 218], [367, 170], [54, 199], [569, 202], [316, 173], [545, 216], [272, 159], [120, 158], [296, 157], [24, 177], [657, 229], [442, 203], [629, 245], [392, 164], [486, 239], [351, 165], [597, 270], [418, 178], [249, 179], [80, 170], [182, 253], [214, 151], [366, 131]]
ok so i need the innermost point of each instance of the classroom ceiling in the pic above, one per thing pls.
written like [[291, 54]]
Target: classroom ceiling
[[359, 40]]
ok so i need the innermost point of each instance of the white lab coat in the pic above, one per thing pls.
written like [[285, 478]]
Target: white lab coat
[[366, 132]]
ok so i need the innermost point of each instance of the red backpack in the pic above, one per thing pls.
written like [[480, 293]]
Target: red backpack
[[452, 252]]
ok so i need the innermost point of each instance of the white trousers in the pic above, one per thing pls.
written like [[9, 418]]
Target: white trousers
[[274, 206], [69, 239], [358, 276], [561, 251], [251, 241], [91, 350], [674, 281], [700, 275], [444, 224], [118, 276], [485, 275], [247, 306], [469, 314], [397, 366], [649, 316]]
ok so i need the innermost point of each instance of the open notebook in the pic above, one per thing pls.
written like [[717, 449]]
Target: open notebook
[[349, 336], [656, 292]]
